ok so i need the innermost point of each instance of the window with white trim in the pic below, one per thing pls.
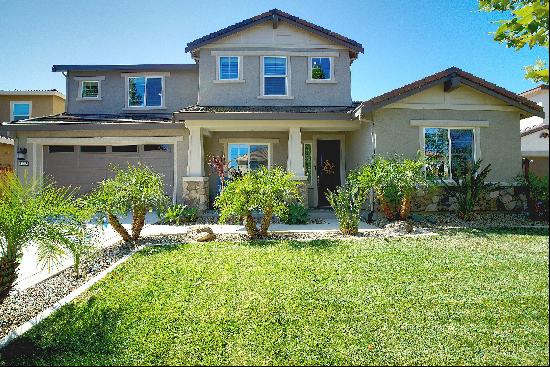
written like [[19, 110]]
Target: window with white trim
[[145, 91], [89, 89], [228, 68], [447, 149], [275, 76], [320, 68], [246, 157], [20, 110]]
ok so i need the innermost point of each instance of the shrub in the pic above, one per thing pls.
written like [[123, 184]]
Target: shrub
[[347, 202], [469, 187], [137, 190], [297, 214], [44, 214], [538, 195], [263, 190], [179, 213], [394, 180]]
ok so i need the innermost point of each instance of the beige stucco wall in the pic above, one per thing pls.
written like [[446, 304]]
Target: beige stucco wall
[[6, 155], [500, 143], [359, 145], [41, 105]]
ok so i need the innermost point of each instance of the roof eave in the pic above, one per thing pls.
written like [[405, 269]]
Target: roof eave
[[183, 116]]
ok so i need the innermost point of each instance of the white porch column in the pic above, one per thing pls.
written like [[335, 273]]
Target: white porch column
[[195, 155], [295, 161]]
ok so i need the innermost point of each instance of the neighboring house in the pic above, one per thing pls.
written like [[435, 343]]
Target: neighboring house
[[24, 104], [534, 132], [274, 90]]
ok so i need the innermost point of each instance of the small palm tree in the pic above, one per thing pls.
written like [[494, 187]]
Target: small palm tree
[[40, 213], [137, 190]]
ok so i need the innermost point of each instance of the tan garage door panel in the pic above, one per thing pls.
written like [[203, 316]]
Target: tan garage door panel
[[85, 170]]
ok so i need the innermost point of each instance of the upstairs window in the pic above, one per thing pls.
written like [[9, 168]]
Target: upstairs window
[[145, 91], [89, 89], [448, 149], [20, 110], [275, 76], [320, 68], [228, 68]]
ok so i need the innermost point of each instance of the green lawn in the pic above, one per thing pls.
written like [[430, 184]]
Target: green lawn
[[465, 297]]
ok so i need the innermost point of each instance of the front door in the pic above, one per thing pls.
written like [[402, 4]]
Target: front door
[[328, 168]]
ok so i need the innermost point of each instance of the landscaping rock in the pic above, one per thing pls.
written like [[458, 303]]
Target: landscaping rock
[[202, 234], [399, 227]]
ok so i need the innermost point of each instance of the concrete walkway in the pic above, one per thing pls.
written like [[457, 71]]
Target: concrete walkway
[[31, 273]]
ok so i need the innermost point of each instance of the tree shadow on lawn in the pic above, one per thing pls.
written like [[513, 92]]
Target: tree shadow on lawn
[[261, 242], [81, 333]]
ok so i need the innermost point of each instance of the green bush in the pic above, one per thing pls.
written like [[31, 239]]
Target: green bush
[[347, 202], [179, 213], [266, 191], [394, 180], [538, 192], [297, 214], [137, 190], [469, 187], [41, 213]]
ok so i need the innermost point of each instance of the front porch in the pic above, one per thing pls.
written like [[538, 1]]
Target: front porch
[[318, 152]]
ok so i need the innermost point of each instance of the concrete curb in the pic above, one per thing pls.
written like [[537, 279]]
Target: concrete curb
[[23, 328]]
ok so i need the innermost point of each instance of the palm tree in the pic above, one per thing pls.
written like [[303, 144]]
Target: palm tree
[[40, 213]]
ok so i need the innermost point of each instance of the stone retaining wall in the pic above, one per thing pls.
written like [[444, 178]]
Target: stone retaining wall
[[509, 199], [195, 192]]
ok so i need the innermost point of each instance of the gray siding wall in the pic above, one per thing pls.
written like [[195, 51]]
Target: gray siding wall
[[181, 90], [500, 143], [246, 94]]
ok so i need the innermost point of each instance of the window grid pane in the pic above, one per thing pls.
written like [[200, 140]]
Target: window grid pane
[[229, 68], [436, 149], [136, 92], [462, 148], [21, 111], [320, 68], [245, 157], [90, 89], [274, 86], [153, 92], [275, 66]]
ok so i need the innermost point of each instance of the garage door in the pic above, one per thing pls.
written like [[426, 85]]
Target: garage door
[[85, 166]]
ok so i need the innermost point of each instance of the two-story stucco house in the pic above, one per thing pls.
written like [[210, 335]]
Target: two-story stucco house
[[270, 90]]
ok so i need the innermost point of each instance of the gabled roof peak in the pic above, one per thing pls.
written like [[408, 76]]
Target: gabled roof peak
[[354, 46]]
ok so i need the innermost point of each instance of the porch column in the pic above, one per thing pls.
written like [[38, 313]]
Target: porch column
[[195, 154], [295, 161], [195, 190]]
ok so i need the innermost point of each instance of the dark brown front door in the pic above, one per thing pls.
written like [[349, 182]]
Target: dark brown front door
[[328, 168]]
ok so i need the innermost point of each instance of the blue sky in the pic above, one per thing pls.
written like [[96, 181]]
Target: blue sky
[[403, 40]]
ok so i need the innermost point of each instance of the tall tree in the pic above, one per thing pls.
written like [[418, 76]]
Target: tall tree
[[527, 27]]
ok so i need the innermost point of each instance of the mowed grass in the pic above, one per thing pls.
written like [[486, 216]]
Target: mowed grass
[[464, 297]]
